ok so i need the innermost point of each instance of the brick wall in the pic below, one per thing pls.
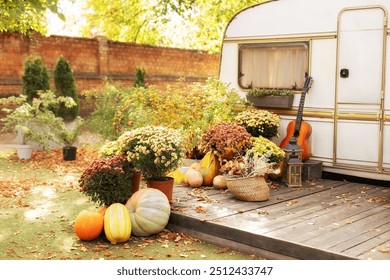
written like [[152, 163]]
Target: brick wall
[[94, 59]]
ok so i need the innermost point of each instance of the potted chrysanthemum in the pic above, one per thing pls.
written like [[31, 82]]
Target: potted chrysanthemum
[[259, 122], [225, 139], [155, 151]]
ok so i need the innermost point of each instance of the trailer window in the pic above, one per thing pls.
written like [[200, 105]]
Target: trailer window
[[276, 65]]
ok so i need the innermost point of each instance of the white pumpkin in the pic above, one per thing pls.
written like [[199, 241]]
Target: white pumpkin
[[149, 212], [194, 178]]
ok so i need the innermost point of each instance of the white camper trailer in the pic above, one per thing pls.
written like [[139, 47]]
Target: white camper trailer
[[345, 46]]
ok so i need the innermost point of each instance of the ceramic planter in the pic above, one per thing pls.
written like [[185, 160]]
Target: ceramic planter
[[24, 151]]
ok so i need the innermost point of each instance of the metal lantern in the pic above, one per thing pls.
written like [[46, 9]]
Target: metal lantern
[[288, 150], [294, 171]]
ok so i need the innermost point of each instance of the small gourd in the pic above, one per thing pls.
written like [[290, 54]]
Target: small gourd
[[220, 182], [210, 168], [117, 224], [194, 178], [149, 211], [88, 225]]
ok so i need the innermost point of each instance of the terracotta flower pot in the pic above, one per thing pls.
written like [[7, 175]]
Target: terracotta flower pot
[[135, 182], [165, 186]]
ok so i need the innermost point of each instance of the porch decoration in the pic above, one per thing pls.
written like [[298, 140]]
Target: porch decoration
[[270, 98], [294, 171], [154, 151], [259, 122], [108, 180], [220, 182], [288, 150], [165, 186], [209, 167], [117, 223], [225, 139], [88, 225], [246, 177], [149, 212]]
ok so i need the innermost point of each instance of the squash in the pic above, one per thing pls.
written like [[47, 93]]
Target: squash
[[220, 182], [117, 224], [88, 225], [149, 211], [210, 168], [178, 176], [194, 178]]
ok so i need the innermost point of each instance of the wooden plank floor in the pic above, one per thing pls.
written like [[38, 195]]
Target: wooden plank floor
[[322, 220]]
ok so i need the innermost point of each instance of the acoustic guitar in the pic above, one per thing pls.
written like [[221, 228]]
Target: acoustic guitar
[[299, 128]]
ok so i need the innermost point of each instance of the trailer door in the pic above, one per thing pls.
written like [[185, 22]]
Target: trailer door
[[359, 101]]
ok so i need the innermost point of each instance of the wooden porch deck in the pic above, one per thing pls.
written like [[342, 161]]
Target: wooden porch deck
[[322, 220]]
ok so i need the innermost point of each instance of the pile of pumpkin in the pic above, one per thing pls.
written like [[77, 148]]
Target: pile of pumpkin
[[145, 213], [204, 173]]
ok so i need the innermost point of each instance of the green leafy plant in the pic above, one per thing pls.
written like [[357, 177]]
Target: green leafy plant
[[269, 92], [69, 132], [105, 103], [108, 180], [226, 139], [259, 122], [35, 78], [110, 148], [36, 121], [190, 107], [65, 86], [153, 150]]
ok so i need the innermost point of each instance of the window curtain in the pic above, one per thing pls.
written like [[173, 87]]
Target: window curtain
[[273, 66]]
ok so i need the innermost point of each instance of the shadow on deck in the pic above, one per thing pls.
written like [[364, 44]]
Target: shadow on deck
[[322, 220]]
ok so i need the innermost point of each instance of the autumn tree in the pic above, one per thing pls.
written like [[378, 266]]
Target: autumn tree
[[26, 16], [194, 24]]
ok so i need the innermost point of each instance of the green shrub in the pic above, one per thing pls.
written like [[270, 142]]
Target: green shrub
[[190, 107], [139, 78], [65, 86], [35, 78]]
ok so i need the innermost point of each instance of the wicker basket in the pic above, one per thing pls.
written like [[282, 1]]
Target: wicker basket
[[249, 188]]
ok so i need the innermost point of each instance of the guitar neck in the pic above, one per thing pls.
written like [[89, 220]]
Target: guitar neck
[[298, 120]]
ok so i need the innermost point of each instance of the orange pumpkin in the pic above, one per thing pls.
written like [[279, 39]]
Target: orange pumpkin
[[88, 225]]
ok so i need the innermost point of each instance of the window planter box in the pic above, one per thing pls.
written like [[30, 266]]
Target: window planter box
[[271, 101]]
